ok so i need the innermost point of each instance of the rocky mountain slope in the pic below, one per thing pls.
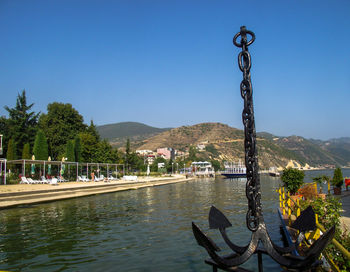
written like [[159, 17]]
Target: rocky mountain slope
[[223, 142]]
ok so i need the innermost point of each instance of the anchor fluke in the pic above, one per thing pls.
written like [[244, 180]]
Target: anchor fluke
[[306, 221], [203, 240], [217, 220]]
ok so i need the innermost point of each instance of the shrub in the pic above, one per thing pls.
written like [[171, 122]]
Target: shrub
[[292, 179], [337, 180], [328, 211]]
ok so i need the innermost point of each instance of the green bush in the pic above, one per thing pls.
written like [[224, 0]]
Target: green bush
[[328, 211], [292, 179], [337, 180], [12, 178]]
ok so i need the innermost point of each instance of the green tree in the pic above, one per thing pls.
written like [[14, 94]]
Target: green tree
[[216, 165], [104, 152], [22, 123], [11, 153], [127, 151], [337, 180], [93, 131], [192, 153], [26, 155], [11, 150], [70, 154], [170, 166], [154, 165], [77, 148], [61, 124], [26, 152], [292, 179], [136, 163], [4, 131], [40, 148], [89, 147]]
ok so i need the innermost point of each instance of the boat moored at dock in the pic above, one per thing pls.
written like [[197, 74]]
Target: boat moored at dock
[[234, 170]]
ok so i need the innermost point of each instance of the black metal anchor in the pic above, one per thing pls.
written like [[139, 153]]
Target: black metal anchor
[[260, 242]]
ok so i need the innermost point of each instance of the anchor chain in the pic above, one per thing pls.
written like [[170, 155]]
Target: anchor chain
[[285, 256], [251, 160]]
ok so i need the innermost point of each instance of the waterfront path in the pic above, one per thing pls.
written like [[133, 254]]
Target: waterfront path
[[345, 219], [24, 194]]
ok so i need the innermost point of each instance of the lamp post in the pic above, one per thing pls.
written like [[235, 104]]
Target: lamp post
[[172, 168]]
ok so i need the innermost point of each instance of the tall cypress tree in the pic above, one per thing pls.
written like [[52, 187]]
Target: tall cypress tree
[[127, 151], [93, 131], [70, 154], [40, 149], [26, 155], [77, 148], [11, 150], [26, 152]]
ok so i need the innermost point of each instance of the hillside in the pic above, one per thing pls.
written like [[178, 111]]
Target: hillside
[[222, 142], [118, 133], [339, 149], [307, 150]]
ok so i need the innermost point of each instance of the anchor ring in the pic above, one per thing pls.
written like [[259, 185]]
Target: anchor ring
[[239, 34]]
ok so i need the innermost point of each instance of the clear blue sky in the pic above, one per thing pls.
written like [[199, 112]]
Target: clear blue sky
[[172, 63]]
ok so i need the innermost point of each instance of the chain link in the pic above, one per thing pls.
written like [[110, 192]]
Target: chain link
[[251, 161]]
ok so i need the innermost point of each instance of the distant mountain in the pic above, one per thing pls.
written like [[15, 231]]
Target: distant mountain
[[223, 142], [306, 150], [315, 152], [266, 135], [118, 133], [338, 148]]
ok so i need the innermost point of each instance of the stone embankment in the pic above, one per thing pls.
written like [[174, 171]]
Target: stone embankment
[[26, 194]]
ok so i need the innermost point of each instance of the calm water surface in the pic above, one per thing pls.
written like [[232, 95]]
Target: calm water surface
[[139, 230]]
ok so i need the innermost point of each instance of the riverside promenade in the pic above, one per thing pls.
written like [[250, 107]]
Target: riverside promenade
[[345, 216], [26, 194]]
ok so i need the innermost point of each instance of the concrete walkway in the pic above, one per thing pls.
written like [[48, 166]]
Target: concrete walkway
[[25, 194], [345, 219]]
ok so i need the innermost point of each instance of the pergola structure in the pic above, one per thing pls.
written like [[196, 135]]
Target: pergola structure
[[3, 169], [61, 164]]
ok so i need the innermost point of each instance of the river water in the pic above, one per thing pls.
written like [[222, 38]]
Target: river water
[[147, 229]]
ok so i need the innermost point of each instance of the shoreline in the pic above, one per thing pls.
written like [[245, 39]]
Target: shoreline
[[27, 194], [15, 195]]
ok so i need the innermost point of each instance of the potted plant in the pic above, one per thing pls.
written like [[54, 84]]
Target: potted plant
[[337, 181], [292, 180]]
